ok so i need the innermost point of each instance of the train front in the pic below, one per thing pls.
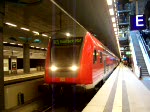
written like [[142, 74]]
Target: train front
[[63, 60]]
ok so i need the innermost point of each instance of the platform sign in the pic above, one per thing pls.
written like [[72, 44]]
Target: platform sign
[[137, 22]]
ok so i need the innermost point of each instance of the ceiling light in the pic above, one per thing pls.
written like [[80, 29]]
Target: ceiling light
[[67, 34], [44, 35], [109, 2], [42, 48], [37, 47], [35, 32], [114, 25], [5, 50], [116, 33], [10, 24], [15, 51], [5, 42], [113, 19], [115, 29], [26, 29], [111, 12], [32, 46], [20, 44], [12, 43]]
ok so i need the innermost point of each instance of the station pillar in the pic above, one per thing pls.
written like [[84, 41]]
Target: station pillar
[[26, 57], [2, 12]]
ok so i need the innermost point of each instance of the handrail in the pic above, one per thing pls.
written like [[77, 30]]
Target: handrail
[[144, 46], [145, 43], [135, 68], [144, 51]]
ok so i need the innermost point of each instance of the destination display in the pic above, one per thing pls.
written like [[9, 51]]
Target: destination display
[[67, 41]]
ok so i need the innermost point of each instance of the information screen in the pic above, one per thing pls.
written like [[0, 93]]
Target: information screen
[[67, 41]]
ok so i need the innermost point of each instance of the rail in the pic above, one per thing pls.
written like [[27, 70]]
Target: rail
[[145, 46], [145, 52]]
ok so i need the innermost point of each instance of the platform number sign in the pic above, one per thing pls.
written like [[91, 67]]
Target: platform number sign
[[137, 22]]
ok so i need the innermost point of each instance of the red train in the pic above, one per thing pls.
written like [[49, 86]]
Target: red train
[[81, 61]]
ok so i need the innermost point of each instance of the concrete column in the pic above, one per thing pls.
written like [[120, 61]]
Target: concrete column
[[26, 58], [2, 9]]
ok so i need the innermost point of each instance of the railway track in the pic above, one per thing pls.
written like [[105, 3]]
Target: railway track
[[71, 102]]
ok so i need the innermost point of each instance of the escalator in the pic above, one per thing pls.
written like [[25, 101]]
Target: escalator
[[140, 51]]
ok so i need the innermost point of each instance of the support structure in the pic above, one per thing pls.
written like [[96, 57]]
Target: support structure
[[26, 58], [2, 8], [137, 9]]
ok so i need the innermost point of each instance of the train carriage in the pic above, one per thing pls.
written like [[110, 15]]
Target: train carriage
[[82, 61]]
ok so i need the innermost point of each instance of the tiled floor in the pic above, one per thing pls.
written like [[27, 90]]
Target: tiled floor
[[122, 92]]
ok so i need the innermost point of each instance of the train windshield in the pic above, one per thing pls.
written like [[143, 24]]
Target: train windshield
[[65, 52]]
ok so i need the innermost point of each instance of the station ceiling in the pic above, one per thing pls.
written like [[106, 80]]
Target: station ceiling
[[45, 17]]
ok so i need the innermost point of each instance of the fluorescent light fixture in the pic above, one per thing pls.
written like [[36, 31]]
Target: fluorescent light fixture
[[115, 29], [12, 43], [20, 44], [6, 50], [35, 32], [109, 2], [67, 34], [37, 47], [32, 46], [44, 35], [113, 19], [42, 48], [26, 29], [5, 42], [114, 25], [111, 12], [15, 51], [10, 24]]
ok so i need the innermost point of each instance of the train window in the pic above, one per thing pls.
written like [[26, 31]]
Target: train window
[[101, 57], [94, 56], [65, 55]]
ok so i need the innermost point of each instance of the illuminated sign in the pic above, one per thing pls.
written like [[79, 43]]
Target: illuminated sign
[[67, 41], [137, 22], [128, 53]]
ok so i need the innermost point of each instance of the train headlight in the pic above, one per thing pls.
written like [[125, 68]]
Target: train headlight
[[53, 68], [74, 68]]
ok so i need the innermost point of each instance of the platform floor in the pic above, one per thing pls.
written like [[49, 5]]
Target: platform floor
[[122, 92], [21, 76]]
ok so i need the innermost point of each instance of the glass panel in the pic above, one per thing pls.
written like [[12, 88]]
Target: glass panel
[[65, 55]]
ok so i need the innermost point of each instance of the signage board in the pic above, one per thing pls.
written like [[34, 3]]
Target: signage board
[[137, 22]]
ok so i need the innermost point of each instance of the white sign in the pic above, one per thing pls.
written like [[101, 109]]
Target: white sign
[[138, 19]]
